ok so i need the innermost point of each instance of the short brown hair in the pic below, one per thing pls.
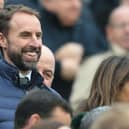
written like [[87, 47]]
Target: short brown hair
[[7, 13]]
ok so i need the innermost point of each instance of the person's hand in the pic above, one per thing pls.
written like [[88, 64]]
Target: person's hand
[[69, 55], [69, 69], [70, 50]]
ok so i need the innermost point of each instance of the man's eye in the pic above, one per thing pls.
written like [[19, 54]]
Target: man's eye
[[48, 75], [39, 35], [25, 35]]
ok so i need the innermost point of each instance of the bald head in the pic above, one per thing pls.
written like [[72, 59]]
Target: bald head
[[118, 27], [120, 10], [46, 65]]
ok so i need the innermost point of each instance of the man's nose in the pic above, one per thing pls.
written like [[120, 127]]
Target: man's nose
[[36, 41]]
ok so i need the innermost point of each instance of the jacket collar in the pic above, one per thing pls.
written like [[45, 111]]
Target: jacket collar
[[11, 73]]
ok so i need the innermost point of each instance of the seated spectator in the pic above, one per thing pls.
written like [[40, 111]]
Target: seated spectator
[[110, 84], [115, 118], [40, 105], [46, 65], [118, 37]]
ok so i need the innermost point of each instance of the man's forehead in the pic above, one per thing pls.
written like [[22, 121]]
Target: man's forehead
[[24, 20], [20, 17]]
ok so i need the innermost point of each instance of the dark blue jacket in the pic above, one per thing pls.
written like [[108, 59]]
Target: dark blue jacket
[[11, 92]]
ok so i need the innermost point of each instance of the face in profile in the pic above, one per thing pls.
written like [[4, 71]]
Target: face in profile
[[24, 40], [46, 65], [46, 69]]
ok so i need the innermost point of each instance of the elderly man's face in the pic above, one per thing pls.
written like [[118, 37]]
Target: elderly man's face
[[119, 28], [46, 66]]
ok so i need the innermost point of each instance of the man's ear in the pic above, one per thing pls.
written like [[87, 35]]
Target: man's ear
[[3, 41], [34, 118]]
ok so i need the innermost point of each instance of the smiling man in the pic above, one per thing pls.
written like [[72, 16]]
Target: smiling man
[[22, 46], [20, 43]]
